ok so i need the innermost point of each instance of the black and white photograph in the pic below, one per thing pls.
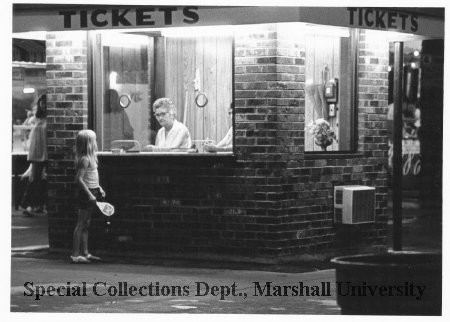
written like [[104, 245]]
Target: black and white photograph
[[226, 160]]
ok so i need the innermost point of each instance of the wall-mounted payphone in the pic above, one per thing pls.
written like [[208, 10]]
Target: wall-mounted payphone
[[331, 93]]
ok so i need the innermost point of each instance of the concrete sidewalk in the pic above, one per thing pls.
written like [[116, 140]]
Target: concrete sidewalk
[[421, 227], [201, 289], [28, 233]]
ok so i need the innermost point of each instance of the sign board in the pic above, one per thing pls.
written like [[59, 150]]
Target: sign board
[[70, 17]]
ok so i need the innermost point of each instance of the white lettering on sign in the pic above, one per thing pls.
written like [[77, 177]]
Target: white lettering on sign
[[376, 18], [125, 17]]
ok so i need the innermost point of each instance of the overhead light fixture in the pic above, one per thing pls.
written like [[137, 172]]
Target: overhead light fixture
[[111, 38], [28, 90], [113, 80], [35, 35], [416, 53], [202, 31]]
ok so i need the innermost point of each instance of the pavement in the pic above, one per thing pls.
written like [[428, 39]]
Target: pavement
[[165, 288]]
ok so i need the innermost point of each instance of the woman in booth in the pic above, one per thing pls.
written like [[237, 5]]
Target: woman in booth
[[226, 144], [173, 134]]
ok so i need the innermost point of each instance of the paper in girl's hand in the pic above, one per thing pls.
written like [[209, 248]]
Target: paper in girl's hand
[[106, 208]]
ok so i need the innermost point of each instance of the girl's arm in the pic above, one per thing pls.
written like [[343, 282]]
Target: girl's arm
[[84, 163]]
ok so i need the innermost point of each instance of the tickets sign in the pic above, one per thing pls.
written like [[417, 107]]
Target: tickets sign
[[90, 17]]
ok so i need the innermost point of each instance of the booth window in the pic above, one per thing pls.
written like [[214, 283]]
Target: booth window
[[28, 84], [134, 68], [330, 65]]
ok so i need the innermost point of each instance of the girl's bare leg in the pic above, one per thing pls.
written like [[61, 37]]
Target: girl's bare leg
[[83, 214], [84, 233]]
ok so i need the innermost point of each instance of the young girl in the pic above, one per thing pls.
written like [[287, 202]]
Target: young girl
[[90, 191]]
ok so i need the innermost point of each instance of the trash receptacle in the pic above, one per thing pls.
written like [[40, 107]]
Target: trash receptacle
[[395, 283]]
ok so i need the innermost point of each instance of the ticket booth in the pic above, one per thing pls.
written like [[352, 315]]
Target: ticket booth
[[304, 90]]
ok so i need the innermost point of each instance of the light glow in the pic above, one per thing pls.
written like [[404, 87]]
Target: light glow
[[190, 32], [116, 39], [113, 80], [35, 35], [28, 90], [390, 36]]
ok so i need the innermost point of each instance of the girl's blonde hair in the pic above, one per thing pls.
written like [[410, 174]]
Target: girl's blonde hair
[[85, 146]]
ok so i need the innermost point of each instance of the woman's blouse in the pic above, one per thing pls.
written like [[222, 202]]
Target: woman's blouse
[[38, 142]]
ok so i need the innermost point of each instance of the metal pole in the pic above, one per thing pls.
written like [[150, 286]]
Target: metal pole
[[397, 148]]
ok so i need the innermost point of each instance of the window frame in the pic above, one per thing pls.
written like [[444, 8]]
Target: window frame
[[353, 151], [94, 67]]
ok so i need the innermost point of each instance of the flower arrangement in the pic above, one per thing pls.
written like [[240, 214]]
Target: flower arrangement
[[322, 132]]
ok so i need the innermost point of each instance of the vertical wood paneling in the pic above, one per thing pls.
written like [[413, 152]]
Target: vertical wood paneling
[[334, 121], [310, 80], [155, 65], [171, 78], [209, 87], [128, 63], [143, 63], [180, 86], [199, 112], [212, 57], [160, 68], [188, 73], [320, 53], [224, 63], [323, 51], [110, 123], [135, 71], [345, 95], [115, 63], [101, 120]]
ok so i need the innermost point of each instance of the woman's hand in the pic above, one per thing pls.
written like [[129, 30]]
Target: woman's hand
[[209, 147], [102, 192], [149, 148]]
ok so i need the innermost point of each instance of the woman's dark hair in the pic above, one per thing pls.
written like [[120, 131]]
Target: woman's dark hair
[[112, 104], [41, 110]]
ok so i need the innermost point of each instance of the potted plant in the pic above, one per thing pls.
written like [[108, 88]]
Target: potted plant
[[322, 132]]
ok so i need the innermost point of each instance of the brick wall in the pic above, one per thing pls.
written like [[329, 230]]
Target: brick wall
[[67, 104], [269, 200], [369, 167]]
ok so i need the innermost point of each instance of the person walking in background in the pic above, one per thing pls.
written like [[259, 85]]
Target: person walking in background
[[173, 134], [29, 121], [90, 192], [35, 195]]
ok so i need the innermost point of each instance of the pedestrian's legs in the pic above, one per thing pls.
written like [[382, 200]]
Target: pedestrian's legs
[[34, 194], [84, 233], [79, 234]]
